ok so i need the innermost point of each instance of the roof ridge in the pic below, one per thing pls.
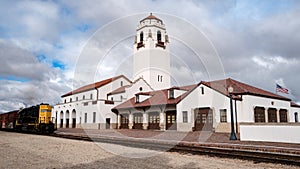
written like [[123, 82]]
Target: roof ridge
[[93, 85], [235, 81]]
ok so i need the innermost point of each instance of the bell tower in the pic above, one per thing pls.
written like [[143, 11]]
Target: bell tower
[[151, 53]]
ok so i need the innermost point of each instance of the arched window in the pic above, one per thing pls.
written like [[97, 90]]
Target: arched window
[[259, 115], [149, 34], [283, 115], [141, 37], [296, 117], [158, 36]]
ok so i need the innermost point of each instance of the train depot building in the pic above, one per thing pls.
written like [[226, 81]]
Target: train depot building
[[149, 102]]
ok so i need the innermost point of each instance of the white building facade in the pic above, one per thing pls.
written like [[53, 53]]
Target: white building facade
[[149, 101]]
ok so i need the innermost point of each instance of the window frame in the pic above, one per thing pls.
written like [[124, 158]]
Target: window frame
[[185, 116], [223, 117], [272, 115], [283, 116], [259, 117], [94, 117], [85, 117]]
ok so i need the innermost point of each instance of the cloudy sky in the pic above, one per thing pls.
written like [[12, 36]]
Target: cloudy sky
[[47, 47]]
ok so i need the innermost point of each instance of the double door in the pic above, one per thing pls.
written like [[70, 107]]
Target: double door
[[203, 119], [171, 120]]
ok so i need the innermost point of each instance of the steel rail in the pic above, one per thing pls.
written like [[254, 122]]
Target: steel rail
[[256, 155]]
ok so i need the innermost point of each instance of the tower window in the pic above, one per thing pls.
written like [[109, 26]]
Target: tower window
[[141, 37], [159, 78], [150, 34], [158, 36]]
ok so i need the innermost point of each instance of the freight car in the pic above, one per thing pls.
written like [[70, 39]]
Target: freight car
[[35, 119], [8, 120]]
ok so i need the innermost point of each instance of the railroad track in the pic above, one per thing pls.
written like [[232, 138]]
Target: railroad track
[[254, 154]]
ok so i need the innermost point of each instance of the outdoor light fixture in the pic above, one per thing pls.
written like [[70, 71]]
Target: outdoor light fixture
[[232, 135]]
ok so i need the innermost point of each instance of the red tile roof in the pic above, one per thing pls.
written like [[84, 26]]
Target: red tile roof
[[93, 85], [151, 17], [294, 105], [118, 90], [159, 97], [240, 88]]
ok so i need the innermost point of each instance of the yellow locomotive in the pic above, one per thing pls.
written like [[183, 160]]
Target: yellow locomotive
[[35, 119]]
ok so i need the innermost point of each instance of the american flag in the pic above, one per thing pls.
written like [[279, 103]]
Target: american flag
[[281, 89]]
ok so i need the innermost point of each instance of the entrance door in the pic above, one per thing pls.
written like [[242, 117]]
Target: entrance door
[[203, 119], [124, 121], [61, 123], [67, 123], [138, 121], [107, 123], [171, 120], [74, 123], [154, 120]]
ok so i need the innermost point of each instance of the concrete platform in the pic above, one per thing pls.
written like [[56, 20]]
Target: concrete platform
[[209, 139]]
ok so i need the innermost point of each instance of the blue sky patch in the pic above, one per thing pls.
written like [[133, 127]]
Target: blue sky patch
[[58, 64], [83, 27], [58, 46], [14, 78], [41, 57]]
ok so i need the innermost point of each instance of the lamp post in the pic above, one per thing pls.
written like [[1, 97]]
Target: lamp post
[[232, 135]]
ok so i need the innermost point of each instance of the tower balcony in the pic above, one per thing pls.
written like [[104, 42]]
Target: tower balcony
[[140, 44], [160, 44]]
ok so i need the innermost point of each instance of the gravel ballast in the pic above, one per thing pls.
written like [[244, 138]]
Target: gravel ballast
[[34, 151]]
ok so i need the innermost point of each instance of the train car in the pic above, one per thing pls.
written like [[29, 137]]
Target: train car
[[35, 119], [8, 120]]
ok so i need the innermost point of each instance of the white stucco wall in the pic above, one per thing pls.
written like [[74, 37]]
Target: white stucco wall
[[211, 99], [102, 110], [292, 114], [288, 133], [250, 102]]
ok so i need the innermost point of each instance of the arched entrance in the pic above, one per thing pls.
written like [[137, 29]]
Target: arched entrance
[[61, 117], [67, 118], [73, 118]]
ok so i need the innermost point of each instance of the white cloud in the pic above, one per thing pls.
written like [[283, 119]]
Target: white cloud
[[250, 44]]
